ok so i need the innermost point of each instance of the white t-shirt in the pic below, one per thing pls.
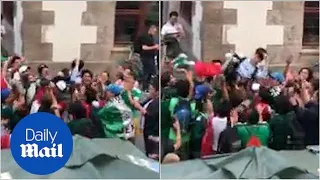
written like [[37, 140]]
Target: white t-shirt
[[168, 28], [218, 125]]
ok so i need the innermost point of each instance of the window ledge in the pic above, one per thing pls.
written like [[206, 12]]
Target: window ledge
[[121, 49], [310, 51]]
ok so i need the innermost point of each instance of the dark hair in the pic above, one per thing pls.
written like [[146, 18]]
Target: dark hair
[[46, 102], [86, 71], [106, 73], [90, 94], [265, 95], [260, 52], [151, 25], [173, 13], [65, 72], [282, 104], [44, 82], [81, 64], [310, 75], [182, 87], [199, 105], [155, 83], [14, 58], [253, 117], [209, 79], [235, 100], [120, 75], [77, 110], [217, 61], [41, 67], [224, 109], [130, 73], [165, 79]]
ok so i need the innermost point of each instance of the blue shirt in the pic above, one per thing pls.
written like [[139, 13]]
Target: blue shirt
[[246, 70]]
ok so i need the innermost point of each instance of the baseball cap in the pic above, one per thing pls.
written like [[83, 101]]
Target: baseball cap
[[114, 89], [277, 76], [23, 69], [201, 91], [5, 94]]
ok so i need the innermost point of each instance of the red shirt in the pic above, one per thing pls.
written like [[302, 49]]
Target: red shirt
[[4, 84], [5, 141], [88, 109]]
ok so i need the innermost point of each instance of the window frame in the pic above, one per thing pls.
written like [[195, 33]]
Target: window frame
[[307, 11], [140, 15]]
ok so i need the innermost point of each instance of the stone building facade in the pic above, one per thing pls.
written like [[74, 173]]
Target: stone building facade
[[284, 28], [55, 32]]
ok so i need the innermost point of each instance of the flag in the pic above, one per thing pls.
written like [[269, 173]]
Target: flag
[[182, 59], [116, 117], [207, 69]]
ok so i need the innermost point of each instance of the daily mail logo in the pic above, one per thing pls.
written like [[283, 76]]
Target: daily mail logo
[[32, 150], [41, 143]]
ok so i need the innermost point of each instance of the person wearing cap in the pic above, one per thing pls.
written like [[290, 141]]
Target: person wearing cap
[[113, 90], [116, 116], [278, 80], [5, 94], [203, 95], [278, 77], [202, 91]]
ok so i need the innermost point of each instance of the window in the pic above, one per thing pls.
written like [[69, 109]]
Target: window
[[311, 24], [7, 11], [186, 11], [128, 22], [131, 17]]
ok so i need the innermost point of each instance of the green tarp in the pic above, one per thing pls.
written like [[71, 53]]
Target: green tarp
[[92, 159], [251, 163]]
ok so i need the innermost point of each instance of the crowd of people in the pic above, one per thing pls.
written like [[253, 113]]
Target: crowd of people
[[92, 105], [241, 104]]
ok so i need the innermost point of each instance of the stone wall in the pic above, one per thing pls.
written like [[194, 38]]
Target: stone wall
[[289, 15], [99, 14], [214, 17]]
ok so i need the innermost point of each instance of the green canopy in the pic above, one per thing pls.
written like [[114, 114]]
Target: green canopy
[[251, 163], [92, 159]]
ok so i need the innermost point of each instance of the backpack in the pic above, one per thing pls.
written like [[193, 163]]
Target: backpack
[[207, 140], [183, 109], [229, 141], [253, 141], [198, 129]]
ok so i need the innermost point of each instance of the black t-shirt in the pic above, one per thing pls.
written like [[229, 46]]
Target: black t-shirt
[[167, 146], [148, 40], [151, 126]]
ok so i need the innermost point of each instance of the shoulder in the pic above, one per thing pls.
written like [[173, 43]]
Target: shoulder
[[179, 25], [166, 25]]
